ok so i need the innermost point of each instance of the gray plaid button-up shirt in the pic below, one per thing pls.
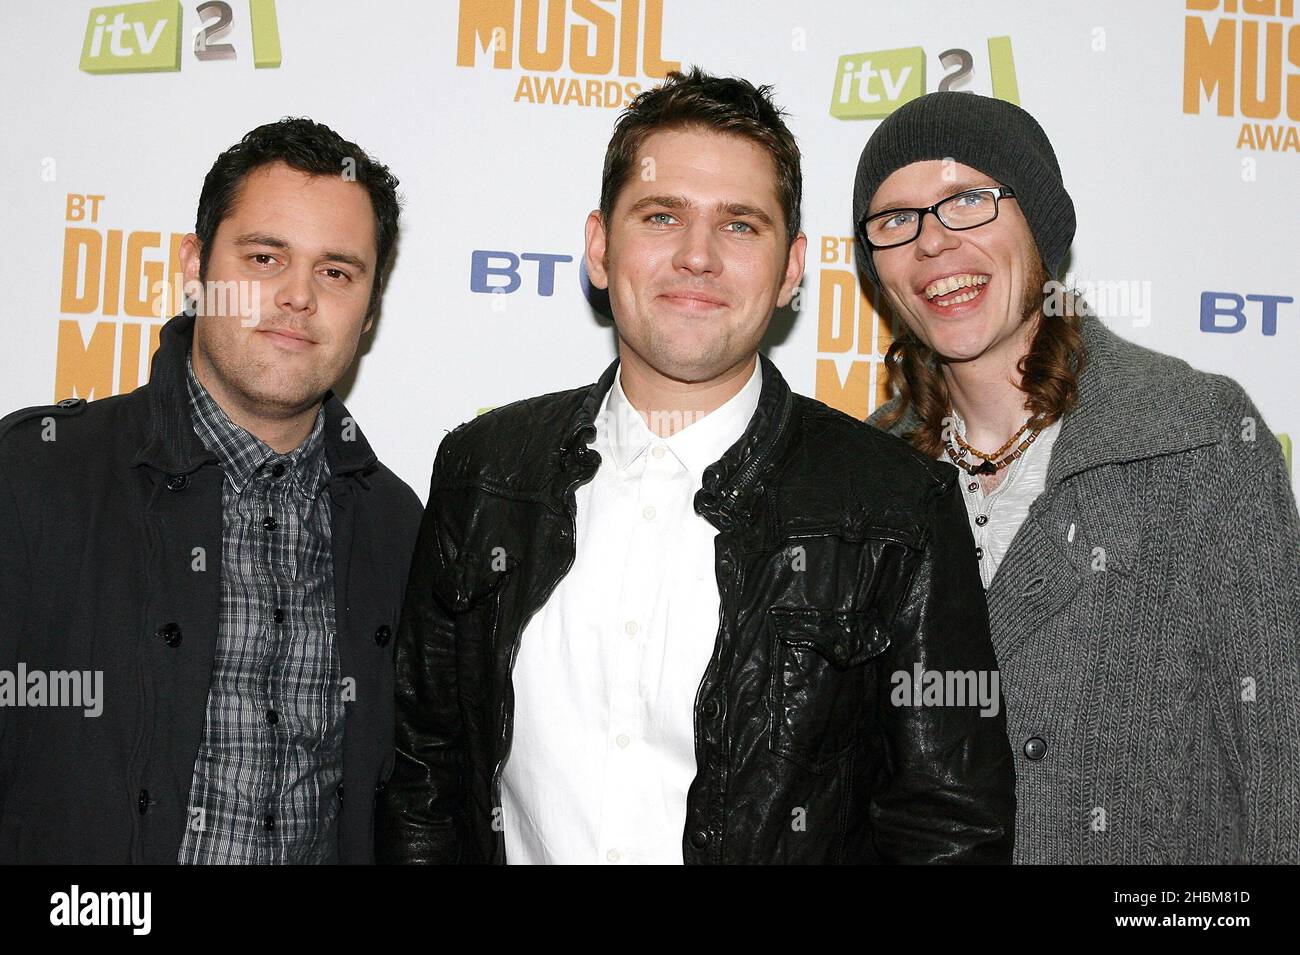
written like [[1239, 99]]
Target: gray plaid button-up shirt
[[270, 761]]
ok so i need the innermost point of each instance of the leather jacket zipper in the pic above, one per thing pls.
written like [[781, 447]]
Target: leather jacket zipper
[[759, 459]]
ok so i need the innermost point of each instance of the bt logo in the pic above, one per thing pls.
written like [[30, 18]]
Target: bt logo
[[485, 264], [1225, 312], [873, 85], [146, 37]]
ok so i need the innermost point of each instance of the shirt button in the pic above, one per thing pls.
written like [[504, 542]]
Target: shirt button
[[268, 821], [278, 616], [1035, 748], [649, 513], [711, 709], [383, 634], [982, 520], [272, 717], [623, 740], [657, 450], [630, 628], [269, 523], [973, 486], [979, 553], [613, 855], [178, 482], [277, 471], [699, 839]]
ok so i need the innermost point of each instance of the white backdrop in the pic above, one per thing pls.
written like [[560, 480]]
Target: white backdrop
[[1177, 197]]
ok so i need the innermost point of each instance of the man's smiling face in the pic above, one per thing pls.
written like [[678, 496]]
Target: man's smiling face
[[964, 294], [695, 256], [307, 243]]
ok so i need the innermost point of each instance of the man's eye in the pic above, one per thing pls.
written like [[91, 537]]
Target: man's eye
[[337, 274], [898, 220], [745, 227], [259, 256], [973, 199], [660, 218]]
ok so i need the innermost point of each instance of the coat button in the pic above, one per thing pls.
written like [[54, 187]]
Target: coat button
[[272, 717], [711, 709], [383, 635], [380, 786], [1035, 748], [339, 792], [982, 520], [178, 482], [278, 615], [724, 566], [269, 523], [142, 803], [268, 821], [71, 402], [979, 553], [699, 838], [170, 634]]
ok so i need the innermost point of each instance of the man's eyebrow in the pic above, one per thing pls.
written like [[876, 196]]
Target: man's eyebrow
[[261, 238], [275, 242], [741, 209], [956, 188], [666, 202], [347, 258]]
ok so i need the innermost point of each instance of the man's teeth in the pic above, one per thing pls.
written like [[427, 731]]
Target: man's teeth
[[954, 282]]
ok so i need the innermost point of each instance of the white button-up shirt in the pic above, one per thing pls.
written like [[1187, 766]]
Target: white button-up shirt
[[607, 671]]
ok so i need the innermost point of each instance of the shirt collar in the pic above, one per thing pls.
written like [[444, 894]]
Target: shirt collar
[[697, 444], [242, 454]]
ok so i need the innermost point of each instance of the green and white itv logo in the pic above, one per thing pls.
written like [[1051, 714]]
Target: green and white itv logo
[[133, 38], [873, 85]]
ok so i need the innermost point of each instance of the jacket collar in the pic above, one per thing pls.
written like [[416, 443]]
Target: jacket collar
[[732, 485], [1133, 403], [171, 444]]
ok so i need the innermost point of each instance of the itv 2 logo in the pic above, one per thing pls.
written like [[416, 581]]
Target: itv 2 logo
[[146, 37], [873, 85]]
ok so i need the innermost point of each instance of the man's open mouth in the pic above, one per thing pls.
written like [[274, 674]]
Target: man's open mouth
[[955, 289]]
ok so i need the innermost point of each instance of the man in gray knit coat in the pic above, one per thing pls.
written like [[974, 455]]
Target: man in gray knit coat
[[1135, 523]]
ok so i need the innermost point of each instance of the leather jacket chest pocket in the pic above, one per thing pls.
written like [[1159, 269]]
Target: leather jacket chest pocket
[[823, 682]]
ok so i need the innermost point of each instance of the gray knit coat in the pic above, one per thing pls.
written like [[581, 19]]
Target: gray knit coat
[[1146, 620]]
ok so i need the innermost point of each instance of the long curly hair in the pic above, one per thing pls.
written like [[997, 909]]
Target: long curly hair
[[1049, 372]]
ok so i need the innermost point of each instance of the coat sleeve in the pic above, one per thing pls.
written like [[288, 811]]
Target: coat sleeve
[[420, 816], [948, 793], [1251, 609]]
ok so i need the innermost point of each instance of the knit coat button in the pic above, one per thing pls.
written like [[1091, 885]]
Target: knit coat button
[[1035, 748]]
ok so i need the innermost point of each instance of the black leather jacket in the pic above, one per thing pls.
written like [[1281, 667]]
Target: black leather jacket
[[843, 556]]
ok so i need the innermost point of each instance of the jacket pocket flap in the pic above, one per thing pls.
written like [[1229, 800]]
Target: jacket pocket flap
[[845, 638]]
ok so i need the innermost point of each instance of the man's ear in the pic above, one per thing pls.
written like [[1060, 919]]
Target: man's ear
[[190, 254], [595, 253], [793, 270]]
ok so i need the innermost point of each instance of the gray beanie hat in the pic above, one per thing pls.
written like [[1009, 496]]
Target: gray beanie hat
[[998, 138]]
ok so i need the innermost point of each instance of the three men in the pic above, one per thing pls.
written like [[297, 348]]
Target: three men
[[220, 549], [1135, 526], [659, 618]]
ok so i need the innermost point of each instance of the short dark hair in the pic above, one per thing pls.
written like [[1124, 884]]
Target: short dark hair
[[725, 105], [309, 147]]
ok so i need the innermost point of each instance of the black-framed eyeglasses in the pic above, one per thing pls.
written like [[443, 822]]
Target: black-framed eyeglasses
[[965, 210]]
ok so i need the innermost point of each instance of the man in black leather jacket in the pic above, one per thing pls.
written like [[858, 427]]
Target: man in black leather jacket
[[539, 719]]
